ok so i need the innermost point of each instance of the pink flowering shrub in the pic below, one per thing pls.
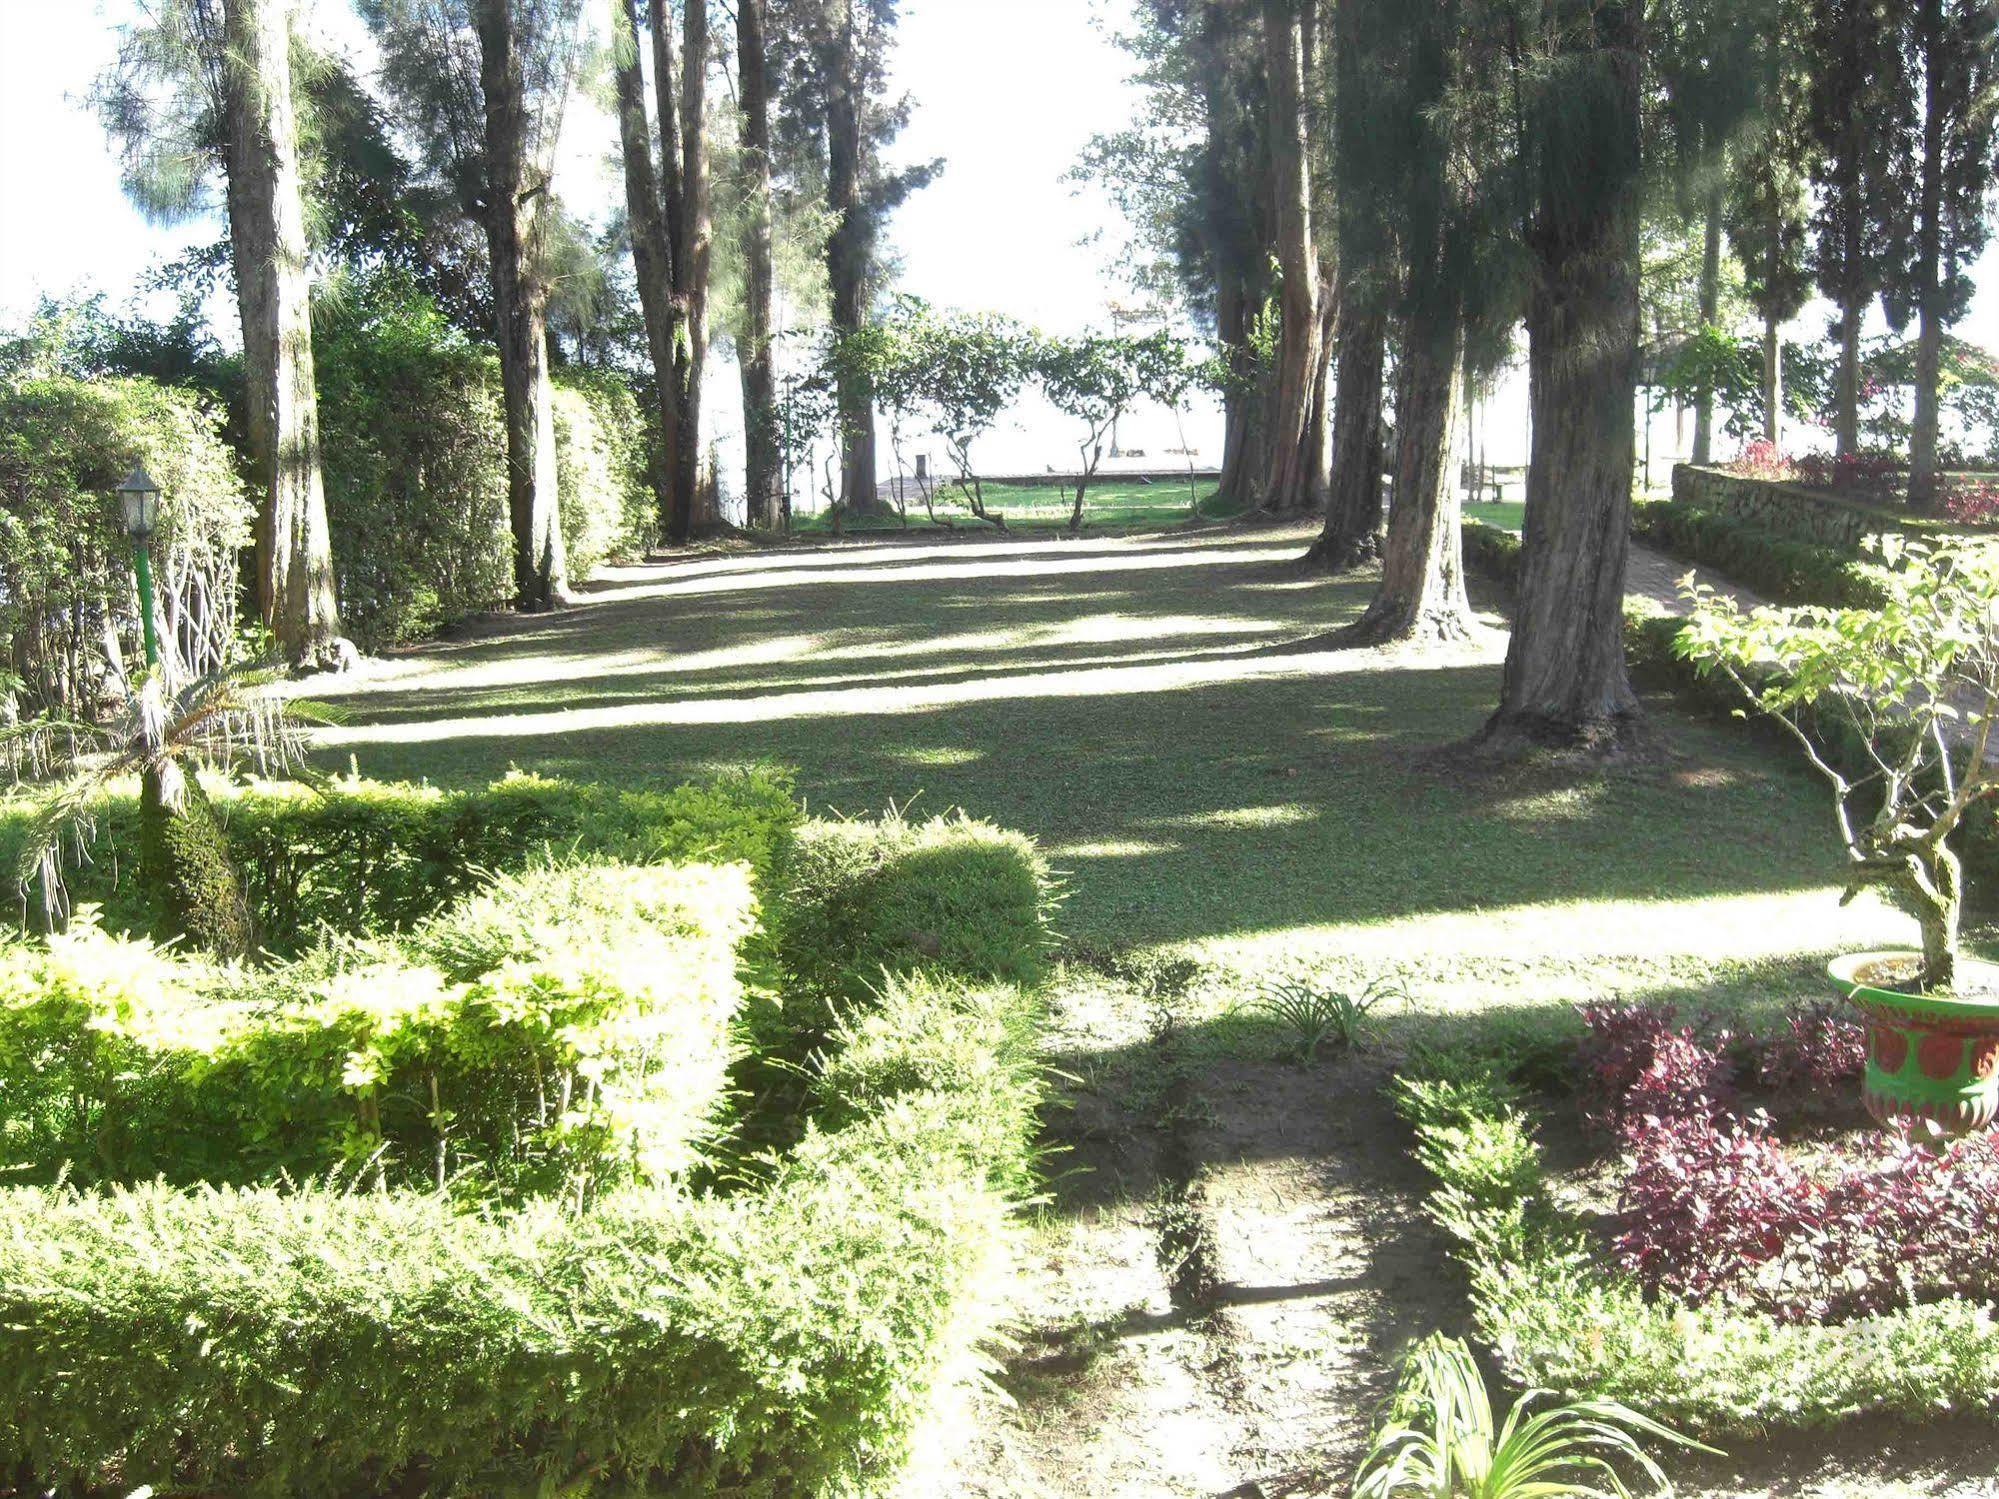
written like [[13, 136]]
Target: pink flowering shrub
[[1715, 1210], [1971, 502], [1639, 1062], [1872, 472], [1761, 459]]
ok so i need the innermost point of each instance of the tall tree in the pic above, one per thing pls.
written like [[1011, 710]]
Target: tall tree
[[208, 83], [1950, 52], [667, 201], [761, 437], [1861, 122], [1293, 461], [1767, 201], [481, 86], [1579, 74]]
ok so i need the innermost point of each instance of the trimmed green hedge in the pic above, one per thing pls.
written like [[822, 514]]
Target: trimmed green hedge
[[782, 1337], [1492, 552], [869, 900], [1779, 566], [1559, 1320], [564, 1031], [370, 856]]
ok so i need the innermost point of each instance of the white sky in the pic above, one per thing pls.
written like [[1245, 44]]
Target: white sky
[[1007, 91]]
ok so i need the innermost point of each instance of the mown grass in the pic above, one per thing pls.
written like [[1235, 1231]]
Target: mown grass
[[1257, 811], [1110, 504]]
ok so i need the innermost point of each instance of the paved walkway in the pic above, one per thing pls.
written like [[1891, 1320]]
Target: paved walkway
[[1656, 576]]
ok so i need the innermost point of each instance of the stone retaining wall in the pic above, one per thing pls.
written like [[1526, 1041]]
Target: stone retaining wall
[[1786, 508]]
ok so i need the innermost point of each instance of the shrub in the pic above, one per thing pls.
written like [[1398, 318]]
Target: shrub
[[1492, 552], [779, 1341], [1716, 1211], [1762, 459], [1820, 1049], [1788, 570], [608, 510], [1970, 502], [1638, 1061], [560, 1032], [870, 900], [1874, 473], [369, 856], [64, 560]]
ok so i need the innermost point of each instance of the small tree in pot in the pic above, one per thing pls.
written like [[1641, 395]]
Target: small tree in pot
[[1894, 707]]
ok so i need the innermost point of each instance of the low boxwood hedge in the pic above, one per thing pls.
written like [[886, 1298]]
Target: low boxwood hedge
[[778, 1328], [365, 856], [1560, 1319]]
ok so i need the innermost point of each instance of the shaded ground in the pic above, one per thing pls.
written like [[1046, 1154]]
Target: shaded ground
[[1233, 1251]]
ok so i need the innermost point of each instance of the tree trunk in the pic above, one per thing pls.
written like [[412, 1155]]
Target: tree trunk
[[1923, 484], [652, 252], [1940, 911], [762, 459], [1710, 311], [849, 264], [1565, 683], [1846, 395], [295, 594], [693, 497], [1353, 504], [1422, 594], [1242, 448], [1773, 383], [1288, 464], [520, 304]]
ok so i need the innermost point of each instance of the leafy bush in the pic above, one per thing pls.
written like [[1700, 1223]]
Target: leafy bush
[[1875, 473], [1788, 570], [865, 901], [1716, 1211], [362, 856], [1492, 552], [1820, 1049], [562, 1031], [1970, 502], [64, 561], [608, 510], [1762, 459], [778, 1341], [1558, 1319], [1639, 1061]]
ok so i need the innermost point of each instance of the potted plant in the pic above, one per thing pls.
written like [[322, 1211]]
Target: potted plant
[[1894, 707]]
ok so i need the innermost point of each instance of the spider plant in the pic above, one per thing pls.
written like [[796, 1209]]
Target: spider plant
[[1316, 1015], [231, 719], [1441, 1440]]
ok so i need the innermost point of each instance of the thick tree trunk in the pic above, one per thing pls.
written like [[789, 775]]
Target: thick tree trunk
[[652, 252], [763, 457], [1923, 485], [1242, 448], [849, 263], [1422, 595], [1353, 503], [295, 593], [520, 304], [1773, 383], [1565, 683], [1710, 311], [1289, 466], [1846, 388]]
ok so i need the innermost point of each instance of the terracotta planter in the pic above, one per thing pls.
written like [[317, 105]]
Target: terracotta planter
[[1932, 1061]]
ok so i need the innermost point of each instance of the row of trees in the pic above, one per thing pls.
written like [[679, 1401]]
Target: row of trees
[[1334, 181], [444, 168]]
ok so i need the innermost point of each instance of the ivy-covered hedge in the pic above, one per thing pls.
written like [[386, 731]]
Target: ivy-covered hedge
[[369, 856], [1783, 568], [780, 1331], [1559, 1318]]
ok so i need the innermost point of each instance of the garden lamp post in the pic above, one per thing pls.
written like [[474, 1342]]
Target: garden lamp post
[[139, 498]]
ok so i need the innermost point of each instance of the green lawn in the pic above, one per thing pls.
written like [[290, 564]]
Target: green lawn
[[1110, 503], [1115, 697], [1508, 515]]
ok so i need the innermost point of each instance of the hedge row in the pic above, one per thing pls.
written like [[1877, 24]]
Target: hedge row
[[1782, 568], [368, 856], [1559, 1319], [564, 1031], [783, 1338], [1492, 552]]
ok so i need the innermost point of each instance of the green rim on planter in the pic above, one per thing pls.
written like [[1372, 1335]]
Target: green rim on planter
[[1932, 1060]]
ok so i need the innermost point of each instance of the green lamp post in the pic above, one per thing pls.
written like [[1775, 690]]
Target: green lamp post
[[139, 499]]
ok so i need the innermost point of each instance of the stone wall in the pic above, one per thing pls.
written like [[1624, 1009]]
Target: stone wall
[[1789, 509]]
